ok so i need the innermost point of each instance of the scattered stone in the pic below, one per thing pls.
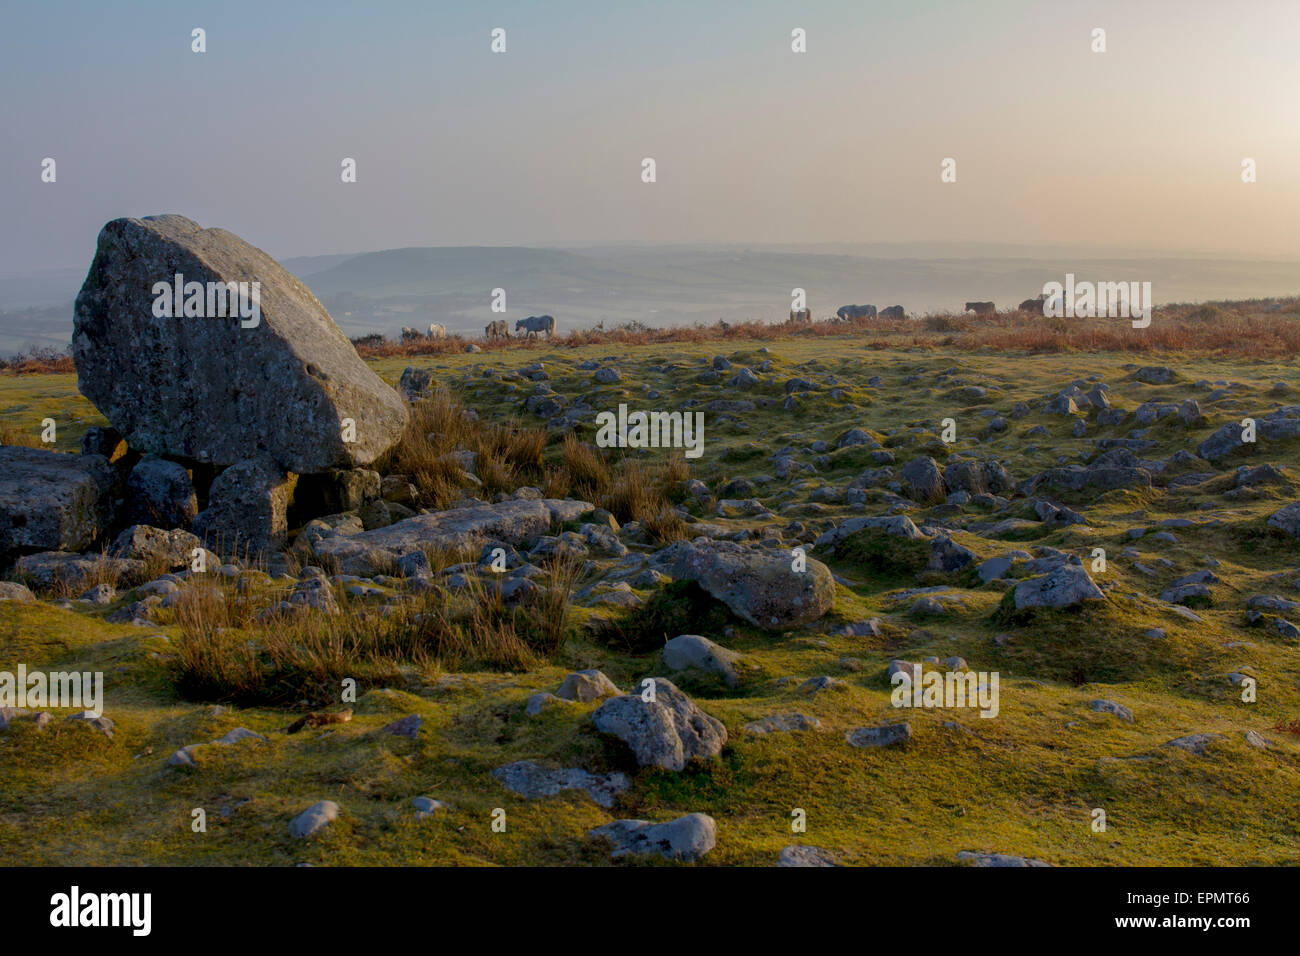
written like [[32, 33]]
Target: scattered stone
[[1110, 707], [869, 737], [532, 779], [586, 686], [690, 652], [668, 732], [313, 819], [805, 856], [687, 838], [782, 723]]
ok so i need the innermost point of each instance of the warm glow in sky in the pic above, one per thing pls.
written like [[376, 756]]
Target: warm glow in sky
[[455, 145]]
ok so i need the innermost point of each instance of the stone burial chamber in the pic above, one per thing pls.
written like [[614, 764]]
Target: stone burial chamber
[[253, 396]]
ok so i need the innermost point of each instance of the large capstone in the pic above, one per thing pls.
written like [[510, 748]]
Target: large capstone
[[284, 384]]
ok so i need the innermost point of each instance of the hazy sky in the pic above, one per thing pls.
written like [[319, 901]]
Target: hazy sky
[[754, 143]]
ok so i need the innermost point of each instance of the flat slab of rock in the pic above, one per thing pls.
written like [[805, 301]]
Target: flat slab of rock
[[516, 522], [997, 859], [782, 723], [1195, 743], [668, 732], [758, 585], [1111, 707], [52, 501], [532, 779], [867, 737], [687, 838], [208, 388], [796, 855]]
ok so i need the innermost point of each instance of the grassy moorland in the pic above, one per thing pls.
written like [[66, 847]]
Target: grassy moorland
[[1024, 783]]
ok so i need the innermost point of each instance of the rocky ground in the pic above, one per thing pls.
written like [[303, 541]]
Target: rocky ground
[[969, 544]]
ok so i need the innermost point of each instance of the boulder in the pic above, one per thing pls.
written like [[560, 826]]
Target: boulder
[[15, 592], [687, 838], [1287, 520], [668, 732], [871, 737], [586, 686], [160, 493], [156, 547], [314, 818], [52, 501], [247, 509], [1066, 586], [947, 556], [977, 477], [758, 585], [279, 384], [922, 481], [690, 652]]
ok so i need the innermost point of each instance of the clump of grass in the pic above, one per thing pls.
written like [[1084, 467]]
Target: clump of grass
[[227, 651], [19, 436], [507, 456]]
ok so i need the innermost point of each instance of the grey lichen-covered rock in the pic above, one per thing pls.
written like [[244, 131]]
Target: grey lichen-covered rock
[[515, 521], [15, 592], [922, 481], [947, 555], [869, 737], [668, 732], [690, 652], [586, 686], [156, 547], [687, 838], [899, 526], [782, 723], [977, 477], [160, 493], [313, 819], [1287, 520], [977, 858], [1194, 743], [222, 389], [1102, 706], [532, 779], [1067, 586], [52, 501], [247, 510], [796, 855], [758, 585]]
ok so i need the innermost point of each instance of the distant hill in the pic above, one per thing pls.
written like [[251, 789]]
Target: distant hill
[[661, 284]]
